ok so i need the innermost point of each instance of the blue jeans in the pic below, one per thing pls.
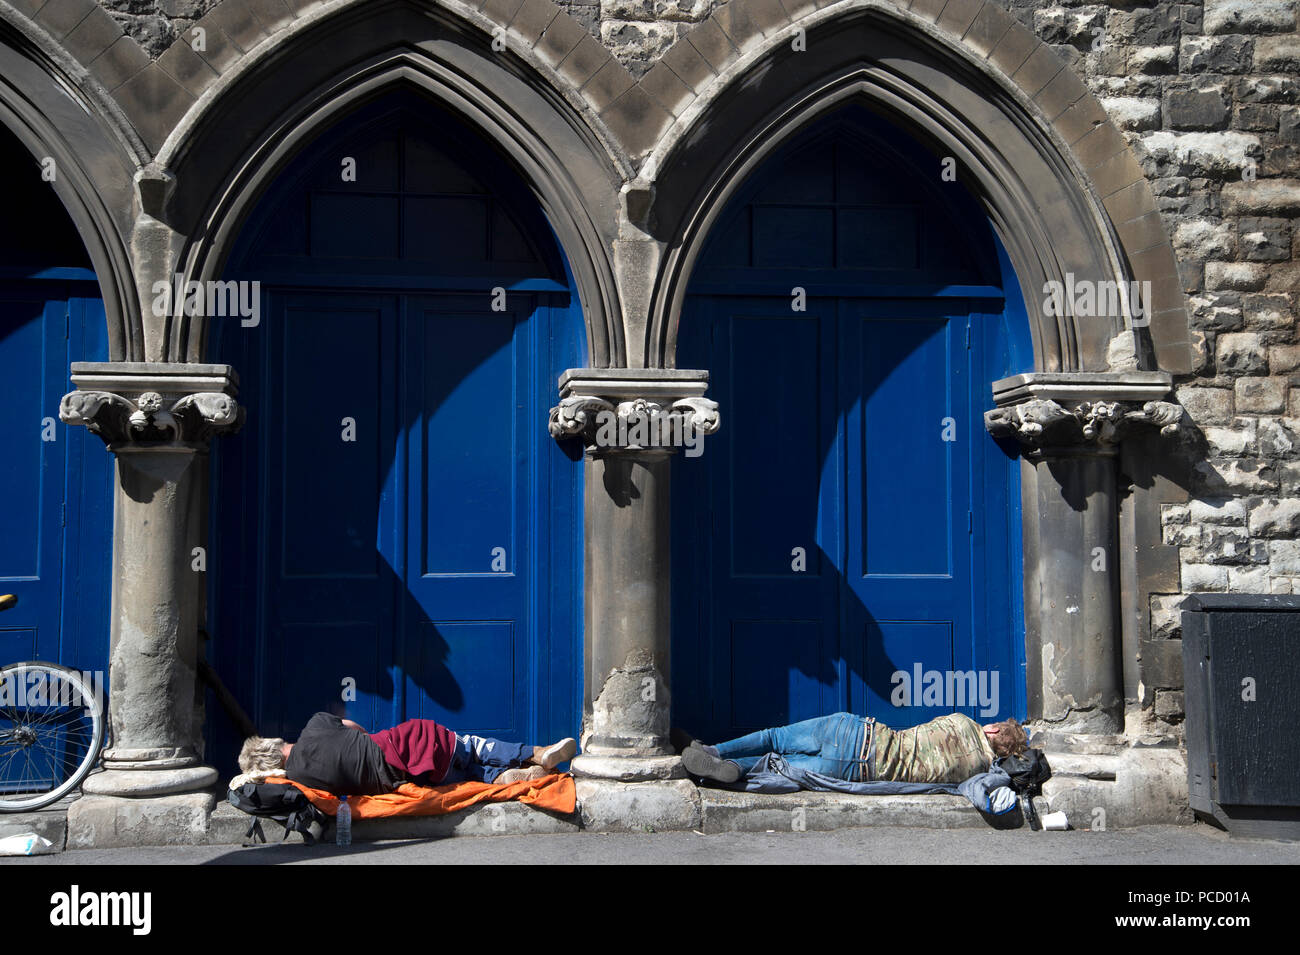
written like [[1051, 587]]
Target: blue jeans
[[829, 745], [481, 760]]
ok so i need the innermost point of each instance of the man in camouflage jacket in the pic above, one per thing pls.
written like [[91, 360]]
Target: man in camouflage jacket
[[949, 749]]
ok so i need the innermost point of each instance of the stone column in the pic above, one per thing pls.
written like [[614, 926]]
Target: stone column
[[1069, 427], [631, 421], [157, 420]]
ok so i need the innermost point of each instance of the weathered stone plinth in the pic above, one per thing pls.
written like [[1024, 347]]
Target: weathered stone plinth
[[148, 778], [628, 769], [107, 822], [607, 806], [1131, 786]]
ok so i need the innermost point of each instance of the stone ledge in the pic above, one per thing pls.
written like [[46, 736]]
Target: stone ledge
[[50, 823], [1083, 386], [228, 825], [108, 822], [1136, 786], [727, 811], [626, 769], [1140, 786], [607, 806]]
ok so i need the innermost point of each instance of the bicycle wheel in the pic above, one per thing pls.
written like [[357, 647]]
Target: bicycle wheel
[[51, 730]]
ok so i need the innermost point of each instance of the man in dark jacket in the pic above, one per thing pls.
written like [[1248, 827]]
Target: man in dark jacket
[[338, 756]]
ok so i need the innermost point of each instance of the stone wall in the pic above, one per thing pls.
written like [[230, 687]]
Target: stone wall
[[154, 24], [1207, 95]]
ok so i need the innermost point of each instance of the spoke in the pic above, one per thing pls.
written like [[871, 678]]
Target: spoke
[[69, 727], [28, 777], [5, 767], [36, 766], [50, 712], [57, 773]]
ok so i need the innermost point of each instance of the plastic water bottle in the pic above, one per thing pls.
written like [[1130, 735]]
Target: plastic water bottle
[[343, 824]]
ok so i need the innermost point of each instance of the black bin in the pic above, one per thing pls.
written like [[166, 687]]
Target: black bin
[[1241, 662]]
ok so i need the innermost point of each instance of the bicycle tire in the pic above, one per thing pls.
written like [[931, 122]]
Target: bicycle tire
[[22, 729]]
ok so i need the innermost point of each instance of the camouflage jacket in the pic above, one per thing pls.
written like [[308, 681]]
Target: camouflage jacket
[[950, 749]]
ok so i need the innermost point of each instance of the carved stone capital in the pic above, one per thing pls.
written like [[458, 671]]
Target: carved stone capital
[[576, 414], [129, 403], [1081, 410], [626, 410]]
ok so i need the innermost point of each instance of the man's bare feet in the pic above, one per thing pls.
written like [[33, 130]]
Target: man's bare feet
[[520, 775], [548, 757]]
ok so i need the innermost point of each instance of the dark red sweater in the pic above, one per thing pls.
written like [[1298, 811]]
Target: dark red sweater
[[420, 748]]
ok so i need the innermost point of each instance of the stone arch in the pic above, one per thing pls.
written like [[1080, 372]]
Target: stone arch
[[44, 102], [317, 73], [1059, 182]]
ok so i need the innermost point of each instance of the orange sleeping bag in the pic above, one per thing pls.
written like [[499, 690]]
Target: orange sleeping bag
[[555, 793]]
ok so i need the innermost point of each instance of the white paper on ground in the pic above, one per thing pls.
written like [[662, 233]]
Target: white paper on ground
[[25, 844]]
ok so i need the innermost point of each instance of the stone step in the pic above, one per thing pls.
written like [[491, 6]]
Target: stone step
[[726, 811], [228, 825], [603, 806], [649, 807], [50, 823]]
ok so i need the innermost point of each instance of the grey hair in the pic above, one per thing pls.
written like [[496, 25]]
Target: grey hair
[[261, 754]]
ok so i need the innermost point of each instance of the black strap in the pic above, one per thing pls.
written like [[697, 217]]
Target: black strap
[[1027, 803], [254, 833]]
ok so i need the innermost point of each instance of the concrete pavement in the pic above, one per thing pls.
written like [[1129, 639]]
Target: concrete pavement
[[1147, 846]]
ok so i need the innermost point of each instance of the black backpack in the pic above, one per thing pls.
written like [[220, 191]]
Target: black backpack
[[285, 804], [1028, 771]]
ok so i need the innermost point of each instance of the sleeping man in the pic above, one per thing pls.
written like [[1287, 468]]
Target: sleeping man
[[856, 749], [340, 757]]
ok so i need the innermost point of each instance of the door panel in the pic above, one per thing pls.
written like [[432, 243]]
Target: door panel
[[768, 552], [471, 470], [906, 587], [330, 596], [31, 472], [849, 434], [55, 481]]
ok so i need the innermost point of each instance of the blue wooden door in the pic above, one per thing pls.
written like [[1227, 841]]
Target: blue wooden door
[[756, 588], [408, 532], [395, 534], [829, 535], [908, 415], [329, 527], [55, 480], [471, 398], [852, 521]]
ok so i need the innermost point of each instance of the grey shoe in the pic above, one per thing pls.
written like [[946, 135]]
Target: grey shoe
[[519, 775], [557, 753], [698, 761]]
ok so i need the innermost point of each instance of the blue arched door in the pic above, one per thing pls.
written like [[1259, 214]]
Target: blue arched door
[[395, 534], [55, 480], [853, 521]]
